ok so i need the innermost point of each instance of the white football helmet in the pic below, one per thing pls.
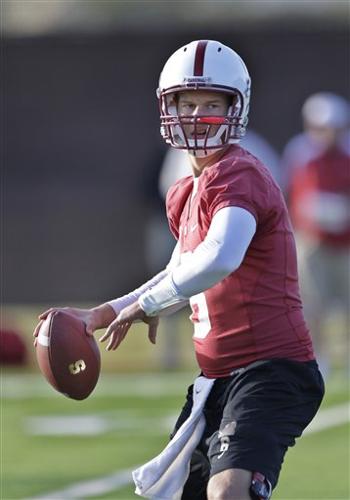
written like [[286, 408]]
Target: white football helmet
[[204, 65]]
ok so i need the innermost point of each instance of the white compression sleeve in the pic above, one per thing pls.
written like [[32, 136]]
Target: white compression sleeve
[[221, 253], [128, 299]]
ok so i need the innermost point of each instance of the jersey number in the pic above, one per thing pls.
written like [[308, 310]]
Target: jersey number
[[200, 316]]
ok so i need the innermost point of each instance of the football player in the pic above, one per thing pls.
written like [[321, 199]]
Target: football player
[[235, 263], [317, 184]]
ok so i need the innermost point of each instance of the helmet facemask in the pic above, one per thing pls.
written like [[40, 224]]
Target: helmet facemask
[[230, 128]]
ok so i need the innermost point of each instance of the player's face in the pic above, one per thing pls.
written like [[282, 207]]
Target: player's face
[[326, 137], [205, 103]]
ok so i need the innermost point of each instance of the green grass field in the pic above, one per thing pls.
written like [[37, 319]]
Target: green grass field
[[126, 422], [131, 416]]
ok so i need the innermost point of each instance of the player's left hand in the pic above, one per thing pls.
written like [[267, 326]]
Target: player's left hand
[[118, 329]]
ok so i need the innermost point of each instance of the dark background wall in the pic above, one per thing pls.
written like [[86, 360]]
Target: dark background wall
[[81, 145]]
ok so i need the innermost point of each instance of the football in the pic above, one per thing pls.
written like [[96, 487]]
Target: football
[[68, 358]]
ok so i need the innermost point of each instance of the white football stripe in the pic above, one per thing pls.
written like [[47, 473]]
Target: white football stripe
[[43, 340]]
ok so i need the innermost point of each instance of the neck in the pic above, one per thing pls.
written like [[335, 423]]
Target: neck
[[198, 164]]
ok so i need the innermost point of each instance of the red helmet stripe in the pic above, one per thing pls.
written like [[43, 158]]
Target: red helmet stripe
[[199, 58]]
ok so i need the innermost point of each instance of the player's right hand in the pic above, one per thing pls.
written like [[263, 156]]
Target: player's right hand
[[95, 318]]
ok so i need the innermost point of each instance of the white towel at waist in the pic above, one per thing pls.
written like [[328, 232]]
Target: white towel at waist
[[164, 477]]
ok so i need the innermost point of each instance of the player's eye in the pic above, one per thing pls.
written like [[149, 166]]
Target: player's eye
[[187, 106]]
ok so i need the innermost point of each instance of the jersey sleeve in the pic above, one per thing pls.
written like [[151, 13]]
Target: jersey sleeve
[[239, 186], [175, 202]]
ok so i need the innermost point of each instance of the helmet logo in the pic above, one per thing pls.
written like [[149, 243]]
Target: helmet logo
[[77, 367]]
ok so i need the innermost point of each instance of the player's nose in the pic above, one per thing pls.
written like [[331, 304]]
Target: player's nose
[[198, 110]]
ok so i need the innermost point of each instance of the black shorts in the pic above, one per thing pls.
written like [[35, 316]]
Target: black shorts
[[252, 417]]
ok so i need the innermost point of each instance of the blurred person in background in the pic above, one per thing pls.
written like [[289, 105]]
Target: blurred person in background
[[317, 184], [235, 263]]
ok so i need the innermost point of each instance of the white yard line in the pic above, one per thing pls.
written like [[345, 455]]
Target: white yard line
[[91, 488], [97, 424], [329, 417], [30, 385], [325, 419]]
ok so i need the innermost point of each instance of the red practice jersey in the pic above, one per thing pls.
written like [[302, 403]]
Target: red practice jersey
[[254, 313]]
